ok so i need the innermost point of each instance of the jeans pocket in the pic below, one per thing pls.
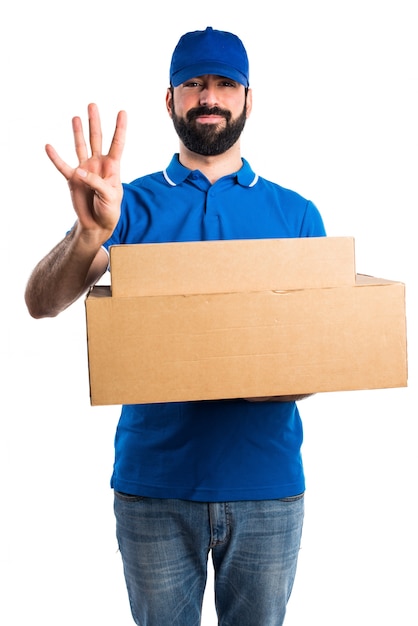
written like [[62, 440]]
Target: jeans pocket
[[128, 497], [299, 496]]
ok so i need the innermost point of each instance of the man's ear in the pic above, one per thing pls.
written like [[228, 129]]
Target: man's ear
[[169, 101], [249, 102]]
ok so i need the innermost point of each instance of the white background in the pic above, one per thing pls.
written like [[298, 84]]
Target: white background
[[335, 118]]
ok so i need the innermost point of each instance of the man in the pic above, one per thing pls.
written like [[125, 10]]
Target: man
[[190, 478]]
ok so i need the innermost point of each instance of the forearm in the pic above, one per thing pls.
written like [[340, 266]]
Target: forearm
[[63, 275]]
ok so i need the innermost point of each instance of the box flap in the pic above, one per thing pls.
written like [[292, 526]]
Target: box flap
[[231, 266]]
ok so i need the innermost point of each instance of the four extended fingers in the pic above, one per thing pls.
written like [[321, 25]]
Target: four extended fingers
[[116, 146]]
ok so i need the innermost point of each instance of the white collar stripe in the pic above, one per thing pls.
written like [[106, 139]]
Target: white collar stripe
[[168, 179]]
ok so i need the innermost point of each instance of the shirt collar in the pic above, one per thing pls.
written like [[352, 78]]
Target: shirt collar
[[176, 173]]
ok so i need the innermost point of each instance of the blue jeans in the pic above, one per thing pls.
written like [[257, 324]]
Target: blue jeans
[[165, 545]]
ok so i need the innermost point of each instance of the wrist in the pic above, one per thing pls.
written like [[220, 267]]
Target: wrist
[[91, 238]]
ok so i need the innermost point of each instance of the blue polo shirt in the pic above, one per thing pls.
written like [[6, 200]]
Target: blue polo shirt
[[213, 450]]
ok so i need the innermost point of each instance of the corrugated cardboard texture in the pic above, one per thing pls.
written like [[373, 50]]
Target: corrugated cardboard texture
[[228, 266], [246, 344]]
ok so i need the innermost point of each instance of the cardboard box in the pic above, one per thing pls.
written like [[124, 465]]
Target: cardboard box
[[237, 265], [246, 342]]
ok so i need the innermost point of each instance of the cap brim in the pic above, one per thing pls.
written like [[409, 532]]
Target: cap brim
[[200, 69]]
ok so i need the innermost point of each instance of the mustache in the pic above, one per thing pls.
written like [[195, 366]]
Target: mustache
[[198, 111]]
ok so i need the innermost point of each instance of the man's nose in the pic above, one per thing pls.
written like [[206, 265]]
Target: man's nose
[[208, 97]]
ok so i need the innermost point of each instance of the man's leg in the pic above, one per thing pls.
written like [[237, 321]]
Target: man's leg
[[164, 547], [255, 550]]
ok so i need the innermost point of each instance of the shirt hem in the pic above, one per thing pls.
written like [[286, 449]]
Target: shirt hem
[[211, 495]]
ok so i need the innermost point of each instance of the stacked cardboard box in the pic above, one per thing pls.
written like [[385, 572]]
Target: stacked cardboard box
[[247, 318]]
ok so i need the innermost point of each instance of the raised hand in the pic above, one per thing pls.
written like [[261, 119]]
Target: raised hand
[[77, 261], [95, 183]]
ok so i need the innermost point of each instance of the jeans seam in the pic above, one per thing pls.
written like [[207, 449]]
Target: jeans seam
[[221, 542]]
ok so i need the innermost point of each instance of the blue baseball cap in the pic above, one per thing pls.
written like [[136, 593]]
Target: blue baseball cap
[[209, 52]]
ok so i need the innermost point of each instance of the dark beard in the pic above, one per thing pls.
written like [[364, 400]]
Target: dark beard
[[207, 139]]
